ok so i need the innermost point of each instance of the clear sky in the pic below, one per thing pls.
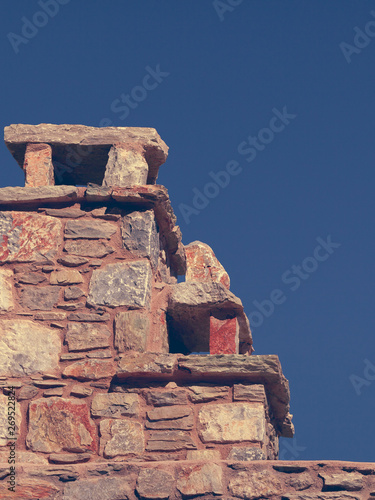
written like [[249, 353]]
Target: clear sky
[[280, 97]]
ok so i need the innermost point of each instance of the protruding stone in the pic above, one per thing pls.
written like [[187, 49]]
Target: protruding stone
[[301, 481], [66, 277], [249, 392], [93, 317], [69, 458], [174, 418], [349, 481], [154, 484], [126, 166], [203, 455], [85, 248], [89, 229], [27, 237], [202, 264], [6, 290], [7, 432], [140, 235], [228, 423], [202, 479], [63, 213], [38, 165], [166, 398], [109, 488], [121, 284], [81, 391], [115, 405], [121, 437], [250, 485], [40, 299], [224, 336], [147, 363], [59, 424], [131, 331], [82, 336], [170, 441], [27, 347], [91, 369], [205, 393], [246, 453], [72, 260]]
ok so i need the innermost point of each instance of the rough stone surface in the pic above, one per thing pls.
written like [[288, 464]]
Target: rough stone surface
[[66, 277], [89, 229], [69, 458], [251, 485], [64, 213], [56, 391], [170, 441], [110, 488], [31, 491], [204, 455], [27, 392], [27, 237], [131, 331], [121, 437], [301, 481], [140, 235], [14, 410], [205, 393], [320, 496], [82, 336], [93, 317], [115, 405], [246, 453], [202, 265], [201, 480], [226, 423], [350, 481], [72, 260], [38, 165], [32, 278], [27, 347], [122, 284], [249, 392], [176, 417], [125, 167], [85, 248], [166, 398], [154, 483], [73, 293], [224, 336], [146, 363], [37, 195], [59, 424], [6, 290], [40, 299], [91, 369], [81, 391]]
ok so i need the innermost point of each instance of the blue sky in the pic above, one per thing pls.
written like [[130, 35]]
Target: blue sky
[[280, 97]]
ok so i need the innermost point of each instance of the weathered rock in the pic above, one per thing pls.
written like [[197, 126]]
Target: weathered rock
[[91, 369], [81, 391], [38, 165], [115, 405], [54, 392], [122, 284], [111, 488], [349, 481], [73, 293], [40, 299], [71, 306], [166, 398], [174, 418], [140, 235], [89, 229], [120, 437], [251, 485], [224, 336], [202, 264], [170, 441], [146, 363], [10, 408], [6, 290], [59, 424], [69, 458], [231, 422], [86, 248], [99, 354], [204, 455], [131, 331], [27, 392], [72, 356], [37, 195], [246, 453], [72, 260], [202, 479], [32, 278], [301, 481], [205, 393], [30, 490], [66, 277], [154, 483], [49, 383], [125, 167], [82, 336], [95, 193], [64, 213], [93, 317], [26, 237], [27, 347], [249, 392]]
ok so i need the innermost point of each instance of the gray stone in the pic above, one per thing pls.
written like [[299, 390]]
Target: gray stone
[[166, 398], [115, 405], [27, 392], [120, 437], [73, 293], [170, 441], [349, 481], [49, 383], [93, 317], [147, 363], [110, 488], [205, 393], [6, 290], [249, 392], [301, 481], [56, 391], [66, 277], [64, 213], [131, 331], [140, 235], [89, 229], [202, 479], [174, 418], [37, 195], [81, 391], [87, 248], [122, 284], [251, 485], [246, 453], [82, 336], [27, 347], [95, 193], [72, 260], [71, 306], [40, 299], [69, 458], [228, 423], [154, 483], [125, 167], [31, 278]]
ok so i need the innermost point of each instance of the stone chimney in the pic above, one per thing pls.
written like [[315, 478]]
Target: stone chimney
[[120, 381]]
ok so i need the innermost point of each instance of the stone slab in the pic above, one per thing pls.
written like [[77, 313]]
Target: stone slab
[[206, 393], [252, 485], [85, 248], [147, 363], [89, 229], [173, 440], [202, 479], [40, 299], [154, 484], [131, 331], [91, 369], [109, 488], [121, 437], [36, 196], [140, 235], [115, 405], [83, 336]]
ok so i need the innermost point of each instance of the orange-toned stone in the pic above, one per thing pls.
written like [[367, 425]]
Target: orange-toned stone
[[202, 264], [34, 491], [92, 369], [223, 336], [38, 165]]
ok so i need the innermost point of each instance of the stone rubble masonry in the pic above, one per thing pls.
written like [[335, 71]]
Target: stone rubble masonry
[[38, 165]]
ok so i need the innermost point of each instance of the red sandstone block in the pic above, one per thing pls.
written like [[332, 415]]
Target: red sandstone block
[[223, 336], [38, 165]]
